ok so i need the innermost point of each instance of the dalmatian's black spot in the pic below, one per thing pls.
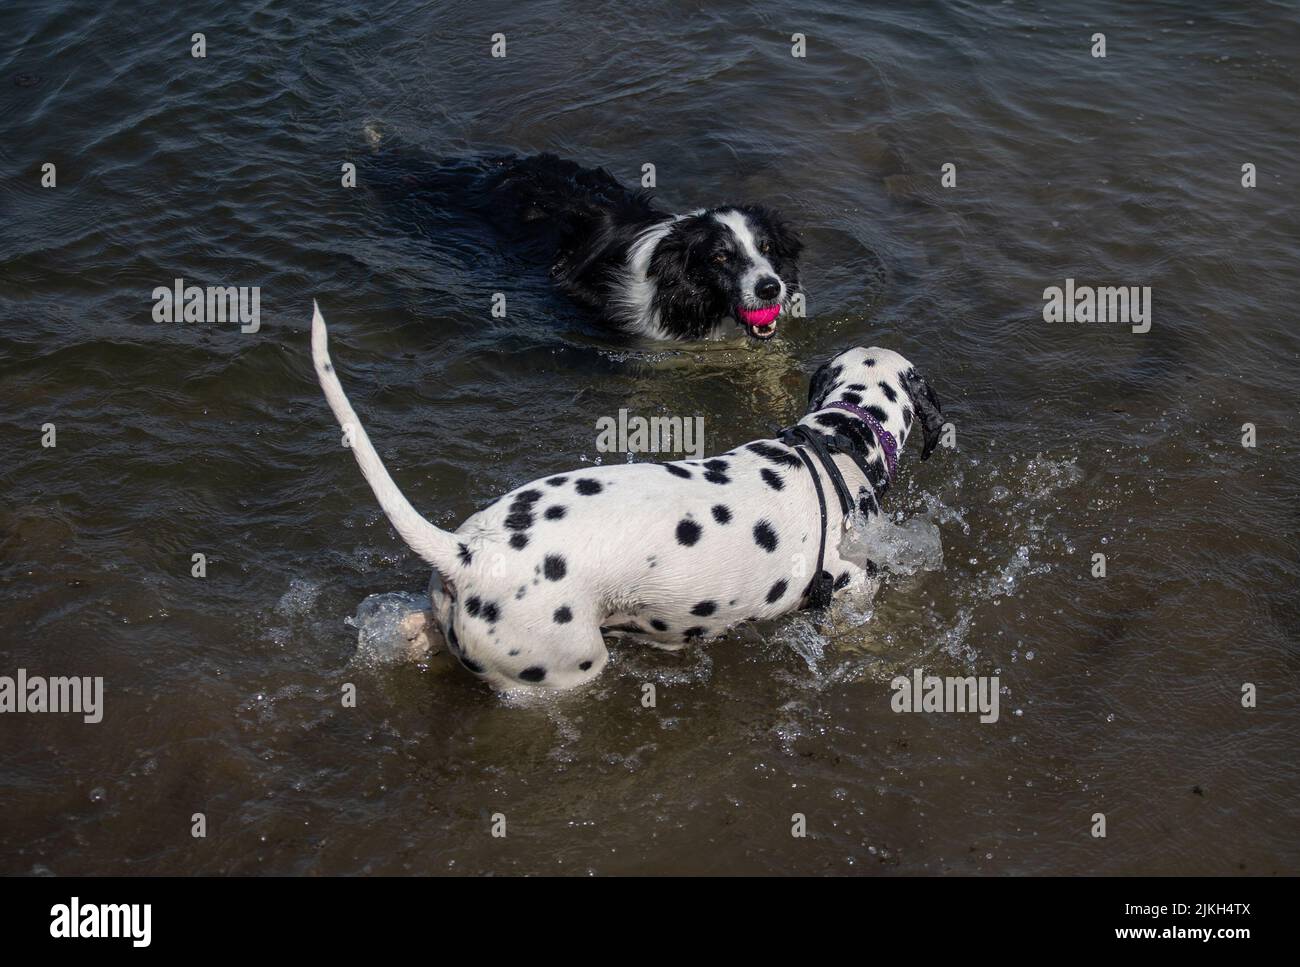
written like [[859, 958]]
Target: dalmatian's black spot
[[534, 673], [888, 391], [868, 361], [721, 514], [880, 415], [554, 567], [856, 387], [842, 581], [588, 487], [768, 451], [778, 589], [583, 665], [692, 633], [556, 513], [563, 615], [527, 498], [520, 520], [473, 604], [764, 536], [329, 367], [841, 423], [716, 476], [519, 595], [852, 398], [513, 652], [772, 479], [853, 429], [907, 417], [473, 666], [677, 471], [518, 541], [490, 613], [867, 505], [464, 554], [720, 466], [704, 609], [556, 481], [688, 532], [872, 568], [658, 625]]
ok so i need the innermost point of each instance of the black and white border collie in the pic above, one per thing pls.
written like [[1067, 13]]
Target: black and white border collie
[[647, 272]]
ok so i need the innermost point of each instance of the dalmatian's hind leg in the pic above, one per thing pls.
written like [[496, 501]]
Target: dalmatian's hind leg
[[559, 657]]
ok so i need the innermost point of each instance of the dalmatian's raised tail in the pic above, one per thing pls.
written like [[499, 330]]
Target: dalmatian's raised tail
[[433, 544]]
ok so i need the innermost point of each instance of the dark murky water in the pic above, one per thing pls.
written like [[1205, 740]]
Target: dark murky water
[[1120, 695]]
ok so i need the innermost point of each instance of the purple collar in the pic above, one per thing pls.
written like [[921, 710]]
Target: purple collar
[[883, 436]]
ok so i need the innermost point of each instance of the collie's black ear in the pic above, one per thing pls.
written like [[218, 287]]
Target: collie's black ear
[[927, 408], [785, 243], [822, 381], [672, 255]]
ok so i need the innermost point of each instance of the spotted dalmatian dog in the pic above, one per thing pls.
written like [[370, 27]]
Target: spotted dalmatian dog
[[525, 591]]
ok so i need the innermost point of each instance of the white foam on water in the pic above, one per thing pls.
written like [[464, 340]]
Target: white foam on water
[[390, 630]]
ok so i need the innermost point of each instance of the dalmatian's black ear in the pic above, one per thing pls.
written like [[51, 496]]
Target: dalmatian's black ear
[[927, 409], [826, 375]]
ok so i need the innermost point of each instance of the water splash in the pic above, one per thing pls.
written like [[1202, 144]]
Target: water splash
[[299, 599], [294, 607], [899, 548], [807, 641], [392, 628]]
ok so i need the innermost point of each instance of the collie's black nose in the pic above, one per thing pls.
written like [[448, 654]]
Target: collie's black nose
[[767, 288]]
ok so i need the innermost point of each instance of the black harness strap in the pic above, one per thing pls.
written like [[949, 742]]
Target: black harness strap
[[822, 585]]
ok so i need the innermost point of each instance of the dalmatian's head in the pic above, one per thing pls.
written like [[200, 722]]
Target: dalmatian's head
[[882, 383]]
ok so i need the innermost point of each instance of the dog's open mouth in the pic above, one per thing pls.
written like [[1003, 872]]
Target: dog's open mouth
[[760, 323]]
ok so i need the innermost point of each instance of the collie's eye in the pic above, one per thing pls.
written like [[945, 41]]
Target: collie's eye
[[720, 258], [764, 247]]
